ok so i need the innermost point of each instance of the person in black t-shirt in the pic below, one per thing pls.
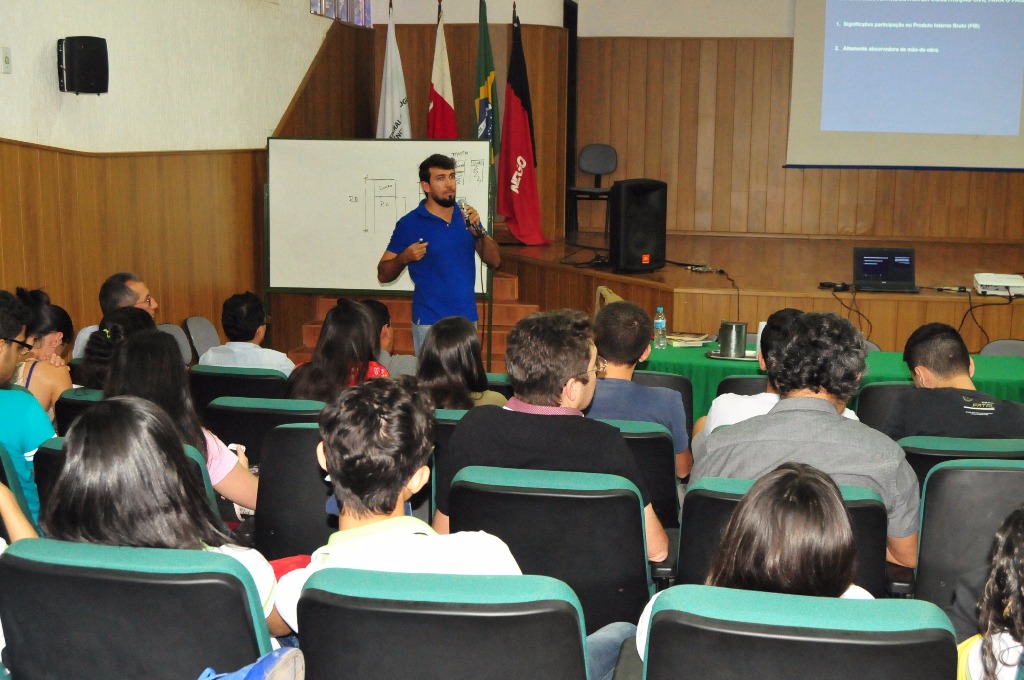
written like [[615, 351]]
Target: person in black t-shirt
[[552, 365], [949, 405]]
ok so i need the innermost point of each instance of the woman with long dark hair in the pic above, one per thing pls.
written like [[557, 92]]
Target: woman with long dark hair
[[114, 330], [49, 331], [995, 654], [149, 366], [790, 533], [452, 368], [128, 482], [345, 355]]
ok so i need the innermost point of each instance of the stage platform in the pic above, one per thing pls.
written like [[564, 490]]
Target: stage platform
[[775, 272]]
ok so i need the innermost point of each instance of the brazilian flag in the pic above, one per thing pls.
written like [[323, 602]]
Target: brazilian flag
[[487, 96]]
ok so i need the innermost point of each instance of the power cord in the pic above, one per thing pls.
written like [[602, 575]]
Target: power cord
[[704, 269], [854, 309]]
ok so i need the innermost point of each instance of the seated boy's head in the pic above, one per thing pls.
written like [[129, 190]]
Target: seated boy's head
[[377, 439]]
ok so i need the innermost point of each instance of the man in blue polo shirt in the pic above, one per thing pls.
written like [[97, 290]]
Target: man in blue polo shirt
[[437, 243], [23, 422]]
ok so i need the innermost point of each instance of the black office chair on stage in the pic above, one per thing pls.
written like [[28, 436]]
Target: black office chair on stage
[[597, 160]]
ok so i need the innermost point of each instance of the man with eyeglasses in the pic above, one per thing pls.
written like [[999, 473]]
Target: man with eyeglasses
[[552, 365], [24, 424], [622, 333], [123, 289]]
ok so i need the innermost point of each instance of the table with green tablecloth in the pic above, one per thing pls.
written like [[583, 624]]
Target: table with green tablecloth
[[1002, 377]]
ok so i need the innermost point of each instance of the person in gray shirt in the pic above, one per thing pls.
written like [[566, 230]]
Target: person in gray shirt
[[816, 372]]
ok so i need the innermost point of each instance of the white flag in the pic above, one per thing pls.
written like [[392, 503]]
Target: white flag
[[393, 114]]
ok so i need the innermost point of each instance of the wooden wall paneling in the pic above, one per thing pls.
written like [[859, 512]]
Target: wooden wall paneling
[[725, 116], [69, 238], [653, 139], [760, 126], [706, 132], [811, 195], [743, 92], [547, 55], [995, 223], [778, 133], [681, 157], [885, 191], [848, 187], [940, 188], [637, 115]]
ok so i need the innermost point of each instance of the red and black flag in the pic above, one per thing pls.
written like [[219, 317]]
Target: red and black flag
[[517, 167]]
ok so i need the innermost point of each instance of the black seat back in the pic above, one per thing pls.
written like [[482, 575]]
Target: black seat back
[[243, 420], [291, 515], [709, 503], [87, 611], [210, 382], [672, 381], [742, 384], [581, 528], [877, 400], [963, 503], [439, 627]]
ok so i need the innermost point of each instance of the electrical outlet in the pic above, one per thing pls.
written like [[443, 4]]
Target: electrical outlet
[[5, 55]]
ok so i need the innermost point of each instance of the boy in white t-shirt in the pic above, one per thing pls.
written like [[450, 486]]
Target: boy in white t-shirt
[[377, 440]]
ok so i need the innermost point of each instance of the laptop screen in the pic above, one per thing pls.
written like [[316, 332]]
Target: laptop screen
[[883, 266]]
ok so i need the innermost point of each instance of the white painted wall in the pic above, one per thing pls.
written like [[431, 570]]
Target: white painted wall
[[641, 18], [184, 74], [687, 18], [533, 12]]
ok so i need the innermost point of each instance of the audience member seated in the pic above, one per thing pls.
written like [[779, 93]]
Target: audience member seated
[[622, 333], [23, 422], [149, 366], [343, 356], [946, 403], [551, 364], [18, 527], [451, 367], [816, 372], [101, 350], [128, 482], [729, 409], [123, 289], [995, 654], [44, 372], [245, 324], [789, 534], [397, 364], [377, 440]]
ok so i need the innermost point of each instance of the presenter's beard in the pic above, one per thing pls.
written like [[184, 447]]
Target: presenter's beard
[[444, 202]]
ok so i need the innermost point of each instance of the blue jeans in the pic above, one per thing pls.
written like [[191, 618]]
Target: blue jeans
[[603, 648], [419, 334]]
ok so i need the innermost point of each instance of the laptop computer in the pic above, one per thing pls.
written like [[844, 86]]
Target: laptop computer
[[884, 270]]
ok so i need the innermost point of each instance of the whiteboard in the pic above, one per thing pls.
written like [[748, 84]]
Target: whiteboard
[[334, 203]]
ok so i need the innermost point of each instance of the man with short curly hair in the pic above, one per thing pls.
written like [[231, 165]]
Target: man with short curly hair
[[815, 372]]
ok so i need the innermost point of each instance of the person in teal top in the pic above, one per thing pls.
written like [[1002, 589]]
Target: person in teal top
[[24, 424]]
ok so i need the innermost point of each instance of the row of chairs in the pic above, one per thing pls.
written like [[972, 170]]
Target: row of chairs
[[147, 612]]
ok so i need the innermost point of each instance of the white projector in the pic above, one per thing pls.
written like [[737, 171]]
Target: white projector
[[1006, 285]]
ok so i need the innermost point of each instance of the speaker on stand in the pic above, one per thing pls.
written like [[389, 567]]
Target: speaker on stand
[[638, 209]]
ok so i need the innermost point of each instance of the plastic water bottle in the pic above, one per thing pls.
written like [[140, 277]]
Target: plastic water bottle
[[660, 329]]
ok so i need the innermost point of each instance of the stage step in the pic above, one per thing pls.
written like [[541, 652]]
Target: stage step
[[507, 311]]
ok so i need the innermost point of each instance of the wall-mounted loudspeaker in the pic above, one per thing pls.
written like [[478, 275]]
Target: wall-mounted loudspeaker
[[82, 65], [637, 209]]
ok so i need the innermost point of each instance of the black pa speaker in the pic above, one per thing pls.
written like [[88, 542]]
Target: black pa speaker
[[82, 65], [638, 211]]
